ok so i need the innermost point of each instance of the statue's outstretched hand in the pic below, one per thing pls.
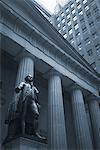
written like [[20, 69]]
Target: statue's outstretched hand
[[17, 90]]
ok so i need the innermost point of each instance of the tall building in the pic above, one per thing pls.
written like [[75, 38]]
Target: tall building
[[69, 88], [79, 22]]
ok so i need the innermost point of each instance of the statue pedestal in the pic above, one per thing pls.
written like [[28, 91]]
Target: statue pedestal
[[22, 143]]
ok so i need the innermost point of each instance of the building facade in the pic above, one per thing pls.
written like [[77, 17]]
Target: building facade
[[79, 22], [69, 87]]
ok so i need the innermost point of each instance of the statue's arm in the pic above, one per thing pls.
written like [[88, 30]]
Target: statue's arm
[[20, 87]]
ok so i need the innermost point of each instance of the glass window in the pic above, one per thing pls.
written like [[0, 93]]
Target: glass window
[[96, 9], [94, 35], [78, 34], [65, 36], [97, 48], [91, 24], [84, 1], [79, 6], [82, 20], [75, 18], [87, 8], [89, 15], [90, 52], [59, 31], [72, 5], [79, 46], [70, 31], [69, 23], [80, 13], [64, 27], [76, 26], [73, 12], [84, 29], [98, 18], [67, 10], [93, 65], [58, 18], [72, 41], [63, 20], [77, 1], [87, 41], [68, 16], [58, 25], [62, 14]]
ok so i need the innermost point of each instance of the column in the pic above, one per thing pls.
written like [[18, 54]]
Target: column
[[94, 110], [83, 138], [26, 66], [56, 122]]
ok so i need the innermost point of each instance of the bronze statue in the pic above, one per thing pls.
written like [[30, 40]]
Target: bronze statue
[[23, 114]]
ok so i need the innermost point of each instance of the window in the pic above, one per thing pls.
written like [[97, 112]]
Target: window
[[82, 20], [58, 18], [64, 27], [59, 31], [63, 21], [94, 35], [90, 52], [97, 48], [87, 41], [80, 13], [68, 16], [98, 18], [77, 1], [73, 12], [79, 46], [87, 8], [65, 36], [71, 40], [72, 5], [96, 9], [75, 18], [84, 1], [70, 31], [78, 34], [89, 15], [93, 65], [76, 26], [58, 25], [91, 24], [84, 29], [67, 10], [69, 23], [79, 6], [62, 14]]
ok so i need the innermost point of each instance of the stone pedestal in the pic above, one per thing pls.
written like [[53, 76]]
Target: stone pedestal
[[95, 120], [22, 143], [83, 138], [56, 122]]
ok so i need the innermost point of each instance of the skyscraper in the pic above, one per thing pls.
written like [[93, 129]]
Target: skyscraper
[[79, 22]]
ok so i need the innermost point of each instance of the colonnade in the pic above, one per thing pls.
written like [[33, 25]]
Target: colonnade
[[57, 138]]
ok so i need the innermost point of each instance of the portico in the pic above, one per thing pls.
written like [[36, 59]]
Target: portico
[[60, 70]]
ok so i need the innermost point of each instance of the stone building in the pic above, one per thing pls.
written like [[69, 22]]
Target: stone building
[[78, 21], [69, 87]]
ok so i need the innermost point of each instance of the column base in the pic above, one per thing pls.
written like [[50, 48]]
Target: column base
[[24, 143]]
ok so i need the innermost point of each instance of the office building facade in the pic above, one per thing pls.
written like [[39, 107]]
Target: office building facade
[[79, 22]]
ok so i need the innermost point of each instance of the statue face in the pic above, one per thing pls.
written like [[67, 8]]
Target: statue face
[[29, 78]]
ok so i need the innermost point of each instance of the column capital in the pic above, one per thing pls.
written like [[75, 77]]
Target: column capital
[[24, 53], [74, 86], [93, 97], [53, 72]]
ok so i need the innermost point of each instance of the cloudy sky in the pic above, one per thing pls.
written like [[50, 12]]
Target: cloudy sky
[[50, 4]]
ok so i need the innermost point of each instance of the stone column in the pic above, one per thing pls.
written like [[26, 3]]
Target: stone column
[[94, 110], [26, 66], [56, 122], [83, 138]]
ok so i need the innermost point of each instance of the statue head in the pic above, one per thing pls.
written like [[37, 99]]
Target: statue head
[[28, 78]]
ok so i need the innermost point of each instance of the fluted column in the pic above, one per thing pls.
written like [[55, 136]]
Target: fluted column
[[83, 138], [56, 122], [94, 110], [26, 66]]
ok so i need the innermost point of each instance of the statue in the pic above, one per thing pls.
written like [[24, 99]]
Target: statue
[[24, 113]]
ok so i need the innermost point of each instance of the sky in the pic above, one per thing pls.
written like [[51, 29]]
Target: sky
[[50, 4]]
